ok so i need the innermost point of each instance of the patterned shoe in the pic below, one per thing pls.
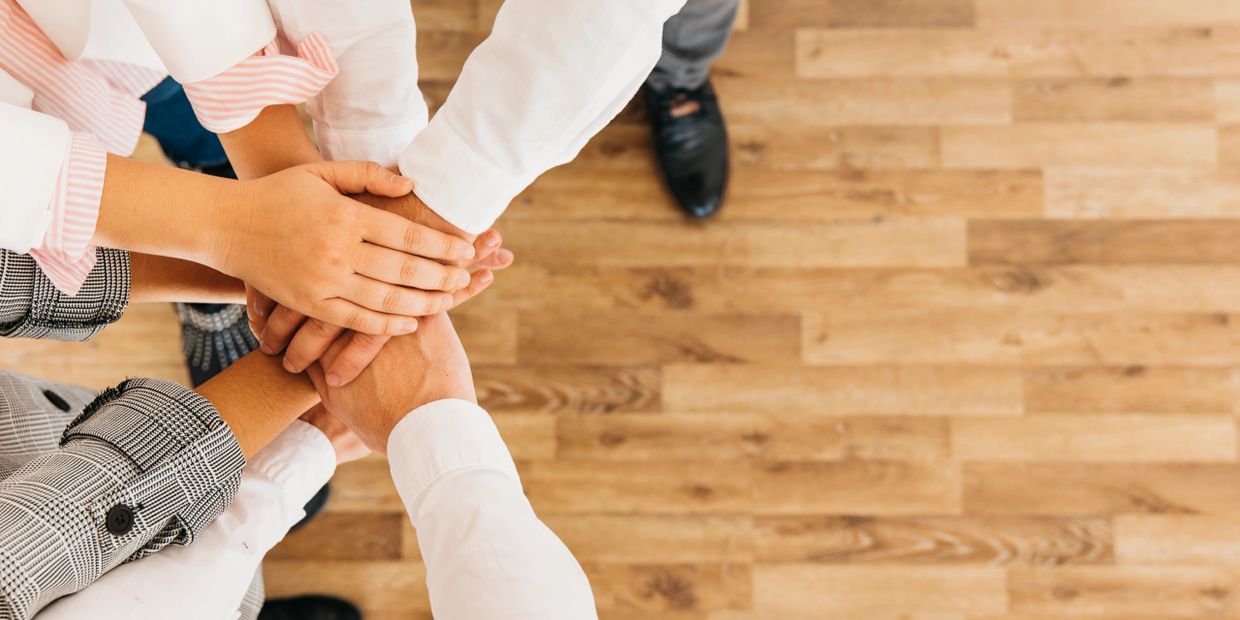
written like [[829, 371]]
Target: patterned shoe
[[212, 337]]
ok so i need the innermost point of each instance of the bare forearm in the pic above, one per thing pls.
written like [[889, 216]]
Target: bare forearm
[[158, 278], [258, 399], [157, 209], [273, 141]]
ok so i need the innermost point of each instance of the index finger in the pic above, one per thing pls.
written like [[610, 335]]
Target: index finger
[[393, 231]]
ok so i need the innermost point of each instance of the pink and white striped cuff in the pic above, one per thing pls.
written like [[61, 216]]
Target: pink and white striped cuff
[[232, 99], [66, 255]]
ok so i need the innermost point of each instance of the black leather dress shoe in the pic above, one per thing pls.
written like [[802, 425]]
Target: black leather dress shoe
[[691, 145], [311, 607]]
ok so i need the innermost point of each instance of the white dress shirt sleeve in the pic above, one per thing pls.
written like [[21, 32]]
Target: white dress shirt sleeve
[[207, 580], [373, 108], [487, 554], [552, 74], [196, 39], [34, 149]]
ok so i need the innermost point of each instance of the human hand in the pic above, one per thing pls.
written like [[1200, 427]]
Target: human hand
[[409, 372], [294, 236], [279, 327], [347, 445]]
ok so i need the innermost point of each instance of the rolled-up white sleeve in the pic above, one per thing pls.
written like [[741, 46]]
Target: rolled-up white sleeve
[[34, 150], [487, 554], [197, 40], [207, 580], [552, 74]]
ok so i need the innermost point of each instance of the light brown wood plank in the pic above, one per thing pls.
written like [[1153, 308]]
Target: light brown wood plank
[[904, 101], [442, 51], [1158, 288], [384, 586], [922, 242], [1117, 194], [647, 539], [1033, 145], [1016, 51], [883, 243], [123, 350], [345, 536], [1003, 336], [449, 15], [862, 14], [528, 435], [720, 437], [1104, 14], [1139, 591], [1227, 97], [758, 53], [642, 487], [762, 194], [565, 388], [1100, 488], [1136, 389], [844, 389], [804, 147], [935, 541], [646, 589], [489, 337], [1099, 438], [1105, 242], [1177, 539], [796, 591], [633, 339], [1229, 146], [858, 487], [1117, 99]]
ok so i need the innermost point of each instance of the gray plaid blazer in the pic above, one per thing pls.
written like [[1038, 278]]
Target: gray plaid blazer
[[89, 481]]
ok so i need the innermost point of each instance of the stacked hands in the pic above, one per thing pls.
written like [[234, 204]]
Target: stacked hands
[[341, 264]]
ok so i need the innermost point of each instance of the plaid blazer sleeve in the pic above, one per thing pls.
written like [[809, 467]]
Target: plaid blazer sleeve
[[32, 307], [146, 464]]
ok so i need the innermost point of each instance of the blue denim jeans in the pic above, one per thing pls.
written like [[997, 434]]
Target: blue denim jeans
[[171, 120]]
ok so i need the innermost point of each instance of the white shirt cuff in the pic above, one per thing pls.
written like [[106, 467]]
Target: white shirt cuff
[[299, 461], [440, 438], [381, 145], [196, 40], [455, 182], [30, 174]]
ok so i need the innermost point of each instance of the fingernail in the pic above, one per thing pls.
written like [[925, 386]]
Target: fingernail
[[267, 348], [486, 277], [492, 241], [408, 326], [333, 380], [461, 280], [289, 365], [468, 251], [260, 311]]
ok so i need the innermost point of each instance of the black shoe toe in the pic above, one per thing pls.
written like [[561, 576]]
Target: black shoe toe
[[692, 148], [310, 607], [698, 194]]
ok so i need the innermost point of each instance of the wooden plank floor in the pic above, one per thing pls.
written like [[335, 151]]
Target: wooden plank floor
[[962, 346]]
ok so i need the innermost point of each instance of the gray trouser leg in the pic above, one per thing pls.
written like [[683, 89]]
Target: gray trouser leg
[[692, 40]]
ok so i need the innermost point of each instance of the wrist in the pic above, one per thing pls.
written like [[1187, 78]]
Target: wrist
[[227, 214]]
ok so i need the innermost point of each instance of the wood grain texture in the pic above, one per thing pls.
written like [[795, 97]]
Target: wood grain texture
[[961, 345]]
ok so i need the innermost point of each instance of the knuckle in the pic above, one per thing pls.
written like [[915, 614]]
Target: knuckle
[[414, 237], [356, 321], [392, 300], [409, 271], [317, 328]]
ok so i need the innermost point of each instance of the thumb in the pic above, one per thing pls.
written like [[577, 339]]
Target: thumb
[[355, 177]]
